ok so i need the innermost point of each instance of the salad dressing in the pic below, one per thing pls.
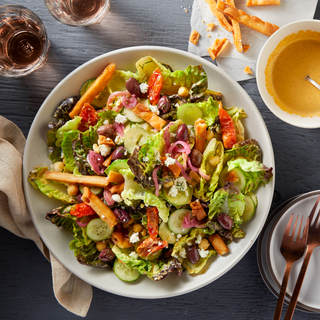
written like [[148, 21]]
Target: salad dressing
[[295, 57]]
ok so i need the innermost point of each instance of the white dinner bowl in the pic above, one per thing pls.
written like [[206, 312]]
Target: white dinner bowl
[[57, 240], [266, 51]]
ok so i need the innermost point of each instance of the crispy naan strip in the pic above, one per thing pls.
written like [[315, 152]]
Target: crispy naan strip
[[237, 39], [252, 22], [220, 16], [262, 2], [217, 47]]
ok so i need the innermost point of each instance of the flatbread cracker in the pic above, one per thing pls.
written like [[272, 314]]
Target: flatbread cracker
[[217, 47], [247, 70], [194, 37], [220, 16], [237, 39], [252, 22], [262, 3]]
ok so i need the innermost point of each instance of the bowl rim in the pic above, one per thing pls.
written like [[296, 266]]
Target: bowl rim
[[267, 49]]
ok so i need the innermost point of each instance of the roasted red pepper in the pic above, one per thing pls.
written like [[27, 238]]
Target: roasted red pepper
[[150, 246], [81, 210], [89, 117], [155, 84], [229, 137], [153, 221]]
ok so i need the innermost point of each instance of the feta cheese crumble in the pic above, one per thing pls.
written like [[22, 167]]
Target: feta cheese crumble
[[198, 239], [203, 253], [183, 253], [106, 121], [118, 140], [133, 255], [179, 236], [104, 150], [144, 87], [145, 159], [173, 192], [169, 161], [154, 109], [116, 198], [134, 237], [121, 119]]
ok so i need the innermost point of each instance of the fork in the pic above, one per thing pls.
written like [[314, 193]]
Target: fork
[[291, 251], [313, 241], [316, 84]]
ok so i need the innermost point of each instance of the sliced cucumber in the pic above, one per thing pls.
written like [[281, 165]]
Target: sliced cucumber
[[153, 256], [101, 100], [131, 116], [166, 234], [135, 137], [241, 178], [249, 209], [98, 230], [253, 197], [124, 272], [189, 113], [117, 165], [175, 222], [183, 197], [95, 190]]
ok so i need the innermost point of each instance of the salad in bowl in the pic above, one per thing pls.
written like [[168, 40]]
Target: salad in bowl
[[155, 175]]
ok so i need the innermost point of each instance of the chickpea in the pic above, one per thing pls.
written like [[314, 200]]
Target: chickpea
[[137, 227], [73, 189], [209, 135], [101, 246], [214, 160], [58, 166], [183, 92], [204, 244], [168, 184]]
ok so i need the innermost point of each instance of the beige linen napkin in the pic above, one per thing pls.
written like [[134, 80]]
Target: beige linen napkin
[[70, 291]]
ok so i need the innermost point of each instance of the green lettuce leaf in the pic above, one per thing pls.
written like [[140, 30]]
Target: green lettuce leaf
[[67, 149], [256, 173], [54, 151], [227, 200], [70, 125], [236, 114]]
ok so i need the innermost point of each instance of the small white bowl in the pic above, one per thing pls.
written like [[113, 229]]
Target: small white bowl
[[267, 49]]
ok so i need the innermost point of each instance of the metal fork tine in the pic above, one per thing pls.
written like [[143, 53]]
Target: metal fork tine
[[288, 227], [294, 229], [314, 210], [316, 219], [299, 232]]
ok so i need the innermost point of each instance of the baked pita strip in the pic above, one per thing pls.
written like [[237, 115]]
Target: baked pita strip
[[252, 22], [221, 18], [262, 2], [217, 47], [101, 209], [93, 91], [91, 181], [237, 39]]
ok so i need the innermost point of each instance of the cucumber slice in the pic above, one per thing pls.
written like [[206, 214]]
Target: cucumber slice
[[117, 165], [189, 113], [180, 199], [175, 222], [95, 190], [249, 209], [131, 116], [240, 184], [98, 230], [253, 197], [124, 272], [166, 234], [100, 101], [135, 137]]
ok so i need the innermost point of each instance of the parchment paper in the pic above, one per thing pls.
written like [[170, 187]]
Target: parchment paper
[[230, 59]]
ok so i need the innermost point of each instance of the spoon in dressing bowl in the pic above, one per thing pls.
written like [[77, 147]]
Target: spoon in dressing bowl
[[316, 84]]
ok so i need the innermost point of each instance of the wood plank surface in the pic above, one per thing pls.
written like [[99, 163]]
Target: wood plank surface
[[25, 275]]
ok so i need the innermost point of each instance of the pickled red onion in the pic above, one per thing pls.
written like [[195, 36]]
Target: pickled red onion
[[188, 222], [193, 168], [204, 175], [186, 147], [119, 128], [117, 94], [107, 195], [129, 102], [166, 136], [183, 172], [155, 179]]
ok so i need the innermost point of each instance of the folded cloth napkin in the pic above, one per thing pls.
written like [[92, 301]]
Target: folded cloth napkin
[[70, 291]]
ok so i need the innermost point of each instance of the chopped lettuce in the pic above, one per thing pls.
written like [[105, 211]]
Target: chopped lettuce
[[236, 114], [68, 126], [50, 188], [155, 270], [256, 173], [54, 151], [227, 200]]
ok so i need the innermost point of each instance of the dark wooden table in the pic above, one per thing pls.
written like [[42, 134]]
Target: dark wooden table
[[25, 275]]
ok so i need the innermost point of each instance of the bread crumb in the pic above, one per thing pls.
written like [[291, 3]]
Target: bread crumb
[[217, 47], [209, 35], [186, 10], [247, 70], [210, 26], [203, 21], [194, 37], [246, 47]]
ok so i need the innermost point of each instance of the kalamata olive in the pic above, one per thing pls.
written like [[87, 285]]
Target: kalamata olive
[[79, 197], [106, 255], [107, 130], [62, 112], [133, 87], [119, 153], [164, 105], [225, 221], [193, 254], [122, 215], [196, 158], [182, 133]]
